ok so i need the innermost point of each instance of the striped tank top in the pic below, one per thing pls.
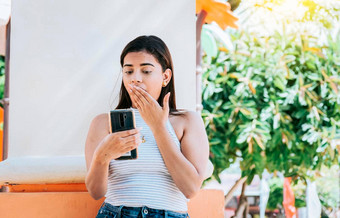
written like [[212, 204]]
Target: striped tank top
[[145, 181]]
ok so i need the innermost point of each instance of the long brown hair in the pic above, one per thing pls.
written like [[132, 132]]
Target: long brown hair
[[157, 48]]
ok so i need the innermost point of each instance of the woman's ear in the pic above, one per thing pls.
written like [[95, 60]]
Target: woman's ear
[[167, 74]]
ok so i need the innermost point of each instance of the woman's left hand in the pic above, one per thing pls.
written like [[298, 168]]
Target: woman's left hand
[[152, 113]]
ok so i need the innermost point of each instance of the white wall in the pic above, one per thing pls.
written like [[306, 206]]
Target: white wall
[[65, 67]]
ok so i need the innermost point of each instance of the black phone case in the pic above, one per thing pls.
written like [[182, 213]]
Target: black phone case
[[121, 120]]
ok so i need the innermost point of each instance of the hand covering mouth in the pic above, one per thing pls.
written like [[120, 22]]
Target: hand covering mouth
[[138, 87]]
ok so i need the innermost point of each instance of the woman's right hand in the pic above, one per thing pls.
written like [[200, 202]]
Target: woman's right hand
[[116, 144]]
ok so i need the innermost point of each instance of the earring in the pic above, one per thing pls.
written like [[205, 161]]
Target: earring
[[164, 83]]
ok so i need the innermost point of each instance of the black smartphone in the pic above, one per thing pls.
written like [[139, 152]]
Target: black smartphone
[[121, 120]]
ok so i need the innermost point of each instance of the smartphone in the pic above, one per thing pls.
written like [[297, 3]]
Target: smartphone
[[121, 120]]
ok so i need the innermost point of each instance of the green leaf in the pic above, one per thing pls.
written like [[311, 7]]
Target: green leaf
[[209, 43]]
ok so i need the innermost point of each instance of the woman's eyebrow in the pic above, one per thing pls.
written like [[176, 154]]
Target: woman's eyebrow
[[142, 64]]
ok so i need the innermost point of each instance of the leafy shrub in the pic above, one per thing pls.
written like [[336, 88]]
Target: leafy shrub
[[273, 103]]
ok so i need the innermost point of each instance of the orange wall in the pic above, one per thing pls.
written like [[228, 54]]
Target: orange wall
[[206, 204], [69, 187]]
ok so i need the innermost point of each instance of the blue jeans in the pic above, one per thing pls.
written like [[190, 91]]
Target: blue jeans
[[109, 211]]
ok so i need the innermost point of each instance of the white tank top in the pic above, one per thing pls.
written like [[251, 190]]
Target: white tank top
[[146, 180]]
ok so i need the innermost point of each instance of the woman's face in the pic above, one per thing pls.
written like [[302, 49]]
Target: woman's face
[[143, 70]]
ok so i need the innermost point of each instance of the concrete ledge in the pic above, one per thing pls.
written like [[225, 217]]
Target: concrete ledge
[[43, 170], [50, 170], [206, 204]]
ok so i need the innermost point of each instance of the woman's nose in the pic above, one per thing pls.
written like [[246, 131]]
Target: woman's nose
[[136, 78]]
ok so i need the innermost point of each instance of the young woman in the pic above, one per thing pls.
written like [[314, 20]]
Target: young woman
[[173, 155]]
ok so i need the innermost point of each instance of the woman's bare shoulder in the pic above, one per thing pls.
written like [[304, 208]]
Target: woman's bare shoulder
[[192, 118], [187, 117], [100, 123], [185, 120], [99, 128]]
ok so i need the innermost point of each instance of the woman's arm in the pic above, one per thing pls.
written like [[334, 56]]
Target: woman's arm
[[187, 167], [97, 168], [101, 147]]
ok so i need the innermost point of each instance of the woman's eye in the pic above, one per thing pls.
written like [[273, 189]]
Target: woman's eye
[[128, 72], [146, 71]]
